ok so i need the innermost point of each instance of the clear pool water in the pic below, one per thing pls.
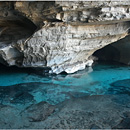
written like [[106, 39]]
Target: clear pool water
[[54, 89]]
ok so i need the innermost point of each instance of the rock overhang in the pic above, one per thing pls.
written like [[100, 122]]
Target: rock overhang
[[71, 34]]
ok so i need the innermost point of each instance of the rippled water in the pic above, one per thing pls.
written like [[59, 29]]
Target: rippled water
[[21, 85]]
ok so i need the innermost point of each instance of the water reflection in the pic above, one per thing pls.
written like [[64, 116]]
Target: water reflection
[[24, 87]]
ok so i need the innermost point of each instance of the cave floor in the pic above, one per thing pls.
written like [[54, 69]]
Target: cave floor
[[95, 98]]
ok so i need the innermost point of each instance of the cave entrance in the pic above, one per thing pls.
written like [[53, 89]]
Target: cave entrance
[[13, 32], [107, 53], [118, 51]]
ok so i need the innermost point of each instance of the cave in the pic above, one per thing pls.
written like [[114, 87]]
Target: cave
[[107, 53], [117, 51], [14, 29], [49, 76]]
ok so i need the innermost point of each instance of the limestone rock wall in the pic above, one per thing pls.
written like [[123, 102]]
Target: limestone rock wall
[[60, 35], [67, 47], [94, 11]]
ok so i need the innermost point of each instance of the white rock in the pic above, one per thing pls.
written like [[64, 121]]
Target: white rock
[[69, 53]]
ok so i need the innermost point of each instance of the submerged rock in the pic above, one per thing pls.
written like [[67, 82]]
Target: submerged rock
[[124, 124], [90, 112], [87, 112], [122, 83], [25, 94], [120, 87], [39, 112]]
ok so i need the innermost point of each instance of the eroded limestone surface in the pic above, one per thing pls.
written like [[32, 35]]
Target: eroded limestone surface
[[60, 35], [68, 48]]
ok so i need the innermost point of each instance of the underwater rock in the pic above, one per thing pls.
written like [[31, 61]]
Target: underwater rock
[[86, 113], [122, 83], [95, 126], [18, 94], [34, 92], [120, 87], [39, 112], [124, 124], [106, 111], [10, 118]]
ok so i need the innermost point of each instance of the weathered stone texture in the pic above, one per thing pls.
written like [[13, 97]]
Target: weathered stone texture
[[67, 48], [67, 33]]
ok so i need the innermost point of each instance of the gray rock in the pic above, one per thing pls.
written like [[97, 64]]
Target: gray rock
[[58, 49], [90, 112], [39, 112], [67, 33]]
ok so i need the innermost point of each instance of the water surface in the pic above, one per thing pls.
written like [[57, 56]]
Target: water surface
[[54, 89]]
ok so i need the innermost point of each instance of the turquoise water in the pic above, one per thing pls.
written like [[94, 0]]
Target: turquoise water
[[18, 83]]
